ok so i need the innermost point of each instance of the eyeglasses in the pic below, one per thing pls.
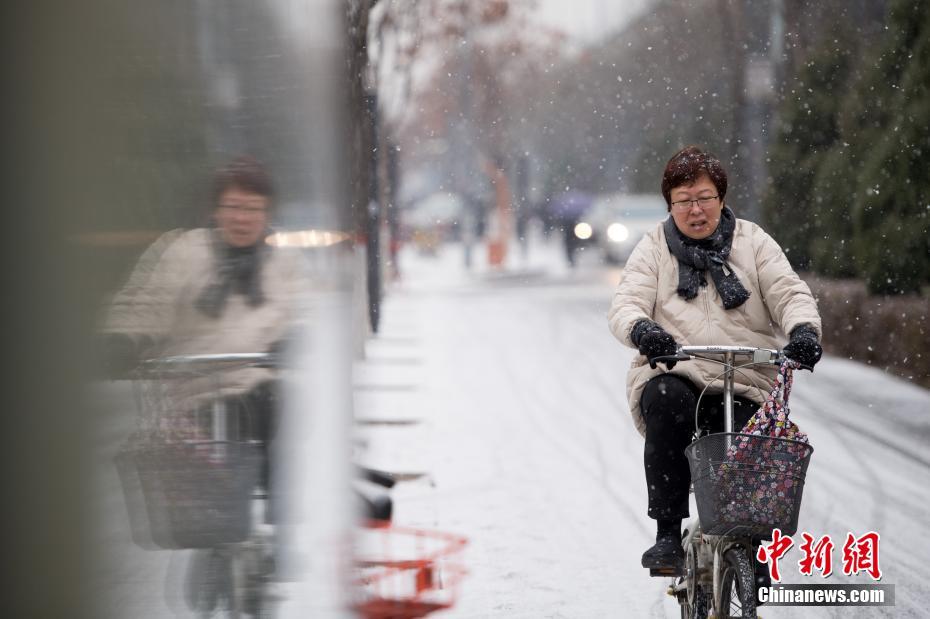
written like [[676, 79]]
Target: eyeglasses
[[251, 211], [685, 205]]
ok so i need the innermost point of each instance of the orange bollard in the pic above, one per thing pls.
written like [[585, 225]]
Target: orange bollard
[[497, 251]]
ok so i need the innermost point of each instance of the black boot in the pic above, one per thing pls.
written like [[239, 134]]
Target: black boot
[[667, 551]]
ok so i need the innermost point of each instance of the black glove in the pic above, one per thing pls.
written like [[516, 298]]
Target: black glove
[[119, 355], [654, 341], [804, 346]]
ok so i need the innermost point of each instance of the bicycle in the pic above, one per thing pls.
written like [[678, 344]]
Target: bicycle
[[191, 476], [204, 493], [719, 570]]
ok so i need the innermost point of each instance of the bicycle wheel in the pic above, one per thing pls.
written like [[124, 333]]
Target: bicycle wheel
[[257, 571], [697, 600], [697, 609], [205, 581], [737, 586]]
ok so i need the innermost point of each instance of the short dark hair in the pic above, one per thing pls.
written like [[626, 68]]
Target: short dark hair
[[686, 166], [246, 173]]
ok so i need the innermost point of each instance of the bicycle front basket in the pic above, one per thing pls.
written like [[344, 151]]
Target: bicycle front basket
[[747, 484], [191, 497]]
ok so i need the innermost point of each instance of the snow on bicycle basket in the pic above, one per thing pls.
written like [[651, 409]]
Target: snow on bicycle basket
[[405, 572], [751, 482]]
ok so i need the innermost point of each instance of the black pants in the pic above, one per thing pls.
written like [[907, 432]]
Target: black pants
[[667, 404], [257, 415]]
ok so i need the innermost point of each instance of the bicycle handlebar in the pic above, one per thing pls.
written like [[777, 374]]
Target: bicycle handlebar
[[767, 356], [187, 363], [728, 359], [737, 350], [758, 355]]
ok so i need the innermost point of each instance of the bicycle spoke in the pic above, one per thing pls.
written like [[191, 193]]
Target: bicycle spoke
[[736, 605]]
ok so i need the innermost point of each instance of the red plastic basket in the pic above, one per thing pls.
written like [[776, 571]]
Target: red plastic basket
[[405, 572]]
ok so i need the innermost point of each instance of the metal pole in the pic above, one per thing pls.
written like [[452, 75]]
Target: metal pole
[[729, 359]]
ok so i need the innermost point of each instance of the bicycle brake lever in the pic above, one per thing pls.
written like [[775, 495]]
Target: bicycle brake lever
[[782, 358], [678, 356]]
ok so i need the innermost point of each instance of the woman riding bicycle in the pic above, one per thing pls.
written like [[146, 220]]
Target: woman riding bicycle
[[701, 277], [217, 290]]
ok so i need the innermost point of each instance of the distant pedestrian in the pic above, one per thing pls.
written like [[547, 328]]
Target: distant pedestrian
[[568, 208]]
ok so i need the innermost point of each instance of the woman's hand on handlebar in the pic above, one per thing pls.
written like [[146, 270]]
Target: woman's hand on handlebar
[[121, 354], [656, 343], [804, 347]]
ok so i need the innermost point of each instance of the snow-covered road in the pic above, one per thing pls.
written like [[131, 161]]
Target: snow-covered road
[[507, 391]]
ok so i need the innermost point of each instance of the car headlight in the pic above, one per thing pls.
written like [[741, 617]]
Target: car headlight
[[583, 230], [617, 232]]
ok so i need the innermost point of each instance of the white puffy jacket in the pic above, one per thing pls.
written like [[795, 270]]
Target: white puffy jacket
[[779, 301], [159, 301]]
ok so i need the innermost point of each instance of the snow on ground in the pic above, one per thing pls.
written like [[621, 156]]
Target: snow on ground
[[507, 392]]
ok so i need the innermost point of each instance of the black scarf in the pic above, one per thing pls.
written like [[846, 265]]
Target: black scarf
[[236, 270], [710, 254]]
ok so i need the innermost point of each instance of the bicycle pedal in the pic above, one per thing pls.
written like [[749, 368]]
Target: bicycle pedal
[[660, 572]]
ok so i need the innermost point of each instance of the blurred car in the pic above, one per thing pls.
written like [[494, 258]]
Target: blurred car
[[616, 222], [433, 220]]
